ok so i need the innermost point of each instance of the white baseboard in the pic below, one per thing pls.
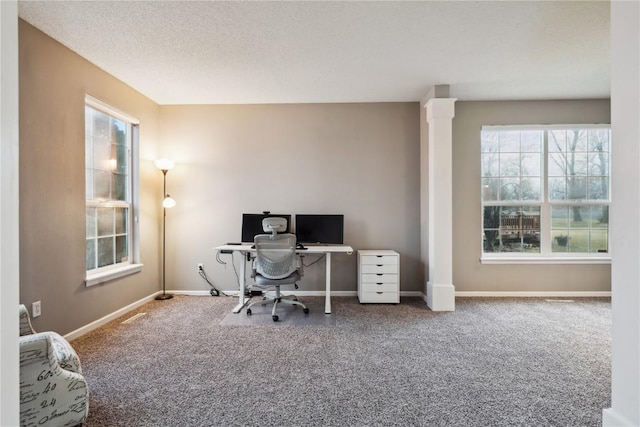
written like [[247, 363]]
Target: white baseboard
[[411, 294], [464, 294], [288, 292], [535, 294], [612, 418], [198, 293], [108, 318], [297, 292]]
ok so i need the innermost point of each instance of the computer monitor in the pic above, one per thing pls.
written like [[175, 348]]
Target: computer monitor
[[323, 229], [252, 225]]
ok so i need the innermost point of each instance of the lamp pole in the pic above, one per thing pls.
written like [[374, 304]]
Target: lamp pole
[[167, 202]]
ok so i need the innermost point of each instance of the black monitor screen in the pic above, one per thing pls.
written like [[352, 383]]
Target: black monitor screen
[[327, 229], [252, 225]]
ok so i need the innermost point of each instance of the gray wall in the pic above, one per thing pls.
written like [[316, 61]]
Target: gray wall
[[360, 160], [468, 273], [53, 84]]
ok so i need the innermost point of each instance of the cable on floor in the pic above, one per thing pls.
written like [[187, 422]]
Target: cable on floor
[[214, 291]]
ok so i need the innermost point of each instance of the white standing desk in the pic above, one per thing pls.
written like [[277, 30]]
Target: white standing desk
[[245, 249]]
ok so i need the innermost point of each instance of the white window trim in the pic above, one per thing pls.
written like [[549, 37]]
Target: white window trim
[[544, 257], [116, 272], [113, 272], [96, 104], [559, 259]]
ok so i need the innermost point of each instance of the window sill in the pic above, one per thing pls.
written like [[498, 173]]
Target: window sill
[[116, 273], [545, 260]]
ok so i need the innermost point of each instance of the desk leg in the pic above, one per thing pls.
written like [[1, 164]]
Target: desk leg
[[243, 267], [327, 298]]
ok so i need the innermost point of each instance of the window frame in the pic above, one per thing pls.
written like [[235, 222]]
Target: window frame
[[132, 265], [545, 256]]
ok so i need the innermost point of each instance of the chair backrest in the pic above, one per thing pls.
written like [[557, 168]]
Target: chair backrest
[[275, 255], [25, 321]]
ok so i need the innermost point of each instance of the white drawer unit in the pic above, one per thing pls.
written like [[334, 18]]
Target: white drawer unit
[[378, 276]]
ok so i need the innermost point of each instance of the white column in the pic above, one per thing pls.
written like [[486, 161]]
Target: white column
[[625, 215], [9, 239], [440, 289]]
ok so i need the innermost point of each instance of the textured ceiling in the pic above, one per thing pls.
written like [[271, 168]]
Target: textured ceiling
[[183, 52]]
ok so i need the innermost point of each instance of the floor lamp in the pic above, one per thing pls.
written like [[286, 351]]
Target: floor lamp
[[167, 202]]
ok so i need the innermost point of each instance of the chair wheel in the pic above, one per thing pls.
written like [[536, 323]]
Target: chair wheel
[[306, 310], [248, 312], [275, 317]]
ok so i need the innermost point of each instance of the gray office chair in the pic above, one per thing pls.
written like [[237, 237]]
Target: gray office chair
[[276, 264]]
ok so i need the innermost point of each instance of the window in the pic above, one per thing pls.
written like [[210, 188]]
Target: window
[[545, 191], [110, 137]]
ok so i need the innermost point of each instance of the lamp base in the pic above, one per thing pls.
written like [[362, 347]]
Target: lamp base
[[164, 296]]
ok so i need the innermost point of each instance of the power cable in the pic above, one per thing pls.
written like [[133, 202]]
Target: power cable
[[214, 291]]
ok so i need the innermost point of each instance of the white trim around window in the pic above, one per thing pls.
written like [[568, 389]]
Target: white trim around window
[[124, 199], [504, 259], [540, 202], [96, 104], [103, 276]]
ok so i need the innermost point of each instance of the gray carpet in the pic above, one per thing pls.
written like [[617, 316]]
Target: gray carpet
[[288, 315], [492, 362]]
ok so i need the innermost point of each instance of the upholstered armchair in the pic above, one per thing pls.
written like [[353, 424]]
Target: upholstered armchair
[[53, 391]]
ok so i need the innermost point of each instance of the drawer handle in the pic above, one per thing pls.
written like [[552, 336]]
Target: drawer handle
[[379, 293], [379, 256], [379, 283], [378, 274], [378, 265]]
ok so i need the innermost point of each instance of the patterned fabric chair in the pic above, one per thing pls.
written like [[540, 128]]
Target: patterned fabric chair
[[53, 391]]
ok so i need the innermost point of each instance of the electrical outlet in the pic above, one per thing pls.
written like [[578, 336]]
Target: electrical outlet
[[36, 309], [200, 267]]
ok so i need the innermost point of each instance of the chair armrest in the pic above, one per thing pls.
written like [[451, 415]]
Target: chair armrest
[[25, 321], [254, 268], [50, 347], [47, 391], [65, 354], [300, 264], [36, 348]]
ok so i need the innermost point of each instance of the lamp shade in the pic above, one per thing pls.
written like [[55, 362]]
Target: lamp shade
[[168, 202], [164, 164]]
